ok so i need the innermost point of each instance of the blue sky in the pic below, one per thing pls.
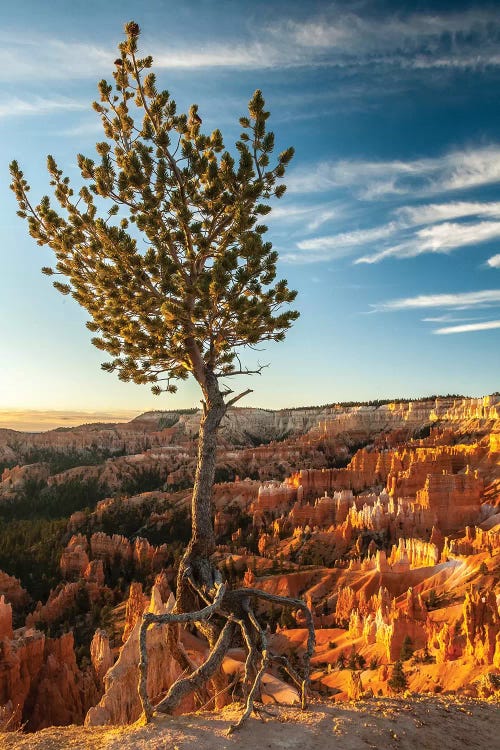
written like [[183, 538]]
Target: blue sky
[[390, 228]]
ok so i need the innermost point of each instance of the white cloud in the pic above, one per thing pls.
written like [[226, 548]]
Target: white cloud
[[487, 326], [340, 245], [16, 107], [40, 58], [432, 213], [440, 238], [252, 55], [337, 37], [461, 40], [494, 261], [450, 172], [312, 217], [447, 319], [460, 301]]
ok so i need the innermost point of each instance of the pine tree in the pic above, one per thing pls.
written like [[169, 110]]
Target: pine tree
[[398, 681], [353, 659], [163, 247], [406, 649]]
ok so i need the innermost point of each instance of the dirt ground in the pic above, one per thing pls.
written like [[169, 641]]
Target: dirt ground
[[422, 723]]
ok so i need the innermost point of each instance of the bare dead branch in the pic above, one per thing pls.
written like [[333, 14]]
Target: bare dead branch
[[238, 397]]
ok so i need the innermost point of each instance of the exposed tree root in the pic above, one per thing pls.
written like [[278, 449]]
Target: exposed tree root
[[234, 607], [200, 676], [252, 695], [168, 618]]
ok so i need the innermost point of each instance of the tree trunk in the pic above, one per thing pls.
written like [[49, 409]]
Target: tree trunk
[[202, 543], [202, 598], [202, 528]]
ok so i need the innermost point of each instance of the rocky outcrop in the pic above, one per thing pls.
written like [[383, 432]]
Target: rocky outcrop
[[56, 698], [21, 659], [475, 540], [74, 559], [451, 500], [444, 642], [65, 598], [5, 619], [415, 553], [136, 603], [355, 686], [390, 625], [481, 625], [13, 480], [116, 548], [40, 679], [11, 589], [101, 656], [120, 703]]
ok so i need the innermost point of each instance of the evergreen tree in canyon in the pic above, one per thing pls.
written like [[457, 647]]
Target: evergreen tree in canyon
[[163, 247]]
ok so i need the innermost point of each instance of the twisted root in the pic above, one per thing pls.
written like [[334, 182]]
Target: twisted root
[[234, 607]]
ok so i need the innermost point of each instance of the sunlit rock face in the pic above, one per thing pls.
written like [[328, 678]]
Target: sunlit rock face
[[101, 656], [451, 500], [157, 429], [74, 559], [136, 604], [481, 625], [40, 679], [81, 558], [120, 703]]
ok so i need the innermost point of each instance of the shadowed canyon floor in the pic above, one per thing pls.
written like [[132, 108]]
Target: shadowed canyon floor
[[425, 723]]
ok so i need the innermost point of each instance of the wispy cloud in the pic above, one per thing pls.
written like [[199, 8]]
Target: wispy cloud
[[338, 245], [460, 301], [38, 105], [35, 57], [433, 213], [487, 326], [335, 37], [309, 217], [440, 238], [85, 128], [438, 235], [466, 39], [450, 172], [447, 318]]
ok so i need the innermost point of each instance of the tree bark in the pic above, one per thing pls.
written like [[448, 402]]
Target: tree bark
[[202, 537], [196, 559]]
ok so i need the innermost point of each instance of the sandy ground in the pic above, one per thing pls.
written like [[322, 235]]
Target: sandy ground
[[422, 723]]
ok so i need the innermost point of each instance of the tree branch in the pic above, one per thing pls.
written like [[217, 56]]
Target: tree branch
[[237, 398]]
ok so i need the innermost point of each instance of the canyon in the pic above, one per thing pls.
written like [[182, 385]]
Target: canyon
[[384, 518]]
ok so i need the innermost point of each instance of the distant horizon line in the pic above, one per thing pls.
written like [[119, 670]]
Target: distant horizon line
[[44, 420]]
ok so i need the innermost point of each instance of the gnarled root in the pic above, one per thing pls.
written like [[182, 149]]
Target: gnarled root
[[169, 618], [200, 676], [235, 607], [258, 677]]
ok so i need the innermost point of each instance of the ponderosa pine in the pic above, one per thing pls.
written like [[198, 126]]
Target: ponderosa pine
[[163, 247]]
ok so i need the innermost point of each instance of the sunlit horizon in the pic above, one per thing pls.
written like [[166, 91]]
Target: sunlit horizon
[[34, 420]]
